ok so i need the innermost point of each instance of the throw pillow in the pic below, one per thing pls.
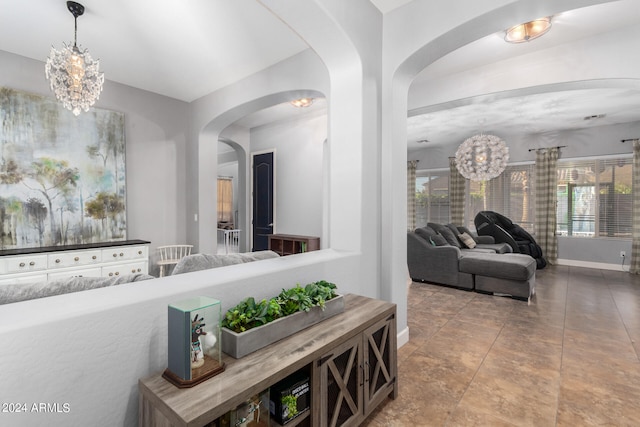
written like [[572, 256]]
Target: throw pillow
[[438, 240], [467, 240], [448, 234]]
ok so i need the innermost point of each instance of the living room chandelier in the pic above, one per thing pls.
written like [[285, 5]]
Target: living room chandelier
[[482, 157], [74, 76], [528, 31]]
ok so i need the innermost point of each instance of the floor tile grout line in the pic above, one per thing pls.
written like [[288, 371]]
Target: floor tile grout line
[[626, 328], [564, 334]]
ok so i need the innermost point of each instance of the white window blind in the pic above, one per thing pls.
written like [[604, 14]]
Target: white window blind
[[595, 198], [510, 194]]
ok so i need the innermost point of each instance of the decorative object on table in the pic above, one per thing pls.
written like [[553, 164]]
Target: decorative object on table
[[252, 413], [65, 176], [482, 157], [194, 341], [251, 325], [528, 31], [73, 75], [290, 397]]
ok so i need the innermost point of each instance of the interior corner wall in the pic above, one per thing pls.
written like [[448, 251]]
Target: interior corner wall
[[155, 138]]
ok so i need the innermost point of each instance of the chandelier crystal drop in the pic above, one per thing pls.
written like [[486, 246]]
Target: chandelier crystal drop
[[74, 76], [482, 157]]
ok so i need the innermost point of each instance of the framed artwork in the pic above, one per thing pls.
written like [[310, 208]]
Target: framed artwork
[[62, 177]]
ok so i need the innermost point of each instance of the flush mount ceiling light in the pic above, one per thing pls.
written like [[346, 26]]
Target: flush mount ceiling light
[[73, 75], [528, 31], [482, 157], [302, 102]]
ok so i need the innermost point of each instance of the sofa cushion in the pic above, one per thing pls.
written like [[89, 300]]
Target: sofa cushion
[[504, 266], [438, 240], [447, 234], [197, 262], [426, 232], [467, 240]]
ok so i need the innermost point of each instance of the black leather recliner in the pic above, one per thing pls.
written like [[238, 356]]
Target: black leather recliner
[[503, 230]]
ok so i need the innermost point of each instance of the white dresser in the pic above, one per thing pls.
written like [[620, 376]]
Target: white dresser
[[91, 260]]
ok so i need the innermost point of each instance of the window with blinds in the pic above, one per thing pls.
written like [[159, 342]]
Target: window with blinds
[[595, 198], [432, 197], [225, 201], [510, 194]]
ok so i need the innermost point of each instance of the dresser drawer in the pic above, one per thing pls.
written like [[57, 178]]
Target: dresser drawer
[[124, 269], [73, 259], [25, 264], [27, 278], [124, 253], [76, 272]]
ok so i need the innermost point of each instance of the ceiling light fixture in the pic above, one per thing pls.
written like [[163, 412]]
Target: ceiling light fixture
[[73, 75], [482, 157], [528, 31], [302, 102]]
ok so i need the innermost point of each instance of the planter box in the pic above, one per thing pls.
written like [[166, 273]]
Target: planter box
[[239, 345]]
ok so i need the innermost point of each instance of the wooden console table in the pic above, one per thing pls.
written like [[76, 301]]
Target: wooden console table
[[351, 359]]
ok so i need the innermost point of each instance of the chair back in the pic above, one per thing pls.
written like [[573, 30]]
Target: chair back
[[174, 252]]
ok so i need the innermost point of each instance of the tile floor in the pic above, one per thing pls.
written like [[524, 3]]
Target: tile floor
[[569, 358]]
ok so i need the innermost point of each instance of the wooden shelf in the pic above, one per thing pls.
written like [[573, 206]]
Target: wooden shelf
[[289, 244], [163, 404]]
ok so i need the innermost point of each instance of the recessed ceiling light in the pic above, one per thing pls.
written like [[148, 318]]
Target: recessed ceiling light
[[528, 31], [302, 102]]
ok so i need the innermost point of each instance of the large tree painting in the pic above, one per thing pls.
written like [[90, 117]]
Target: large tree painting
[[62, 177]]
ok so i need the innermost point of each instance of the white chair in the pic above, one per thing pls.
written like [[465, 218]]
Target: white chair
[[171, 254]]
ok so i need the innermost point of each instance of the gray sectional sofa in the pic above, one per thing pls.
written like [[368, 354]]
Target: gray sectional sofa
[[438, 254]]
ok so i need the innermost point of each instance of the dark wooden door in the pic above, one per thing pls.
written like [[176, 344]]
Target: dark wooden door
[[262, 200]]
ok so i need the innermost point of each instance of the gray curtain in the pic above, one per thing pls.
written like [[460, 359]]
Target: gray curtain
[[546, 201], [635, 249], [456, 194], [411, 194]]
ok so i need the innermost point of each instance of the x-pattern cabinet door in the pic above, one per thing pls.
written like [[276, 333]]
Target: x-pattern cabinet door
[[379, 362], [342, 385]]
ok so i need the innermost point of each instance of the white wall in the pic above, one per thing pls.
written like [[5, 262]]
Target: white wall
[[155, 138], [299, 174]]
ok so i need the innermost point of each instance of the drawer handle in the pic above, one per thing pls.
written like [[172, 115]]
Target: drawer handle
[[117, 273], [76, 259], [121, 254], [115, 255], [57, 261], [32, 263], [139, 252], [94, 257], [110, 274], [22, 264]]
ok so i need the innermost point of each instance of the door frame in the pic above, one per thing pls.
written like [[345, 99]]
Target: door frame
[[252, 198]]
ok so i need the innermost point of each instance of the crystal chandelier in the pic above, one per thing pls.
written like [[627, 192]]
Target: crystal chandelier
[[482, 157], [73, 75]]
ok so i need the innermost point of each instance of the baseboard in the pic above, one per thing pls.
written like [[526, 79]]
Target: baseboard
[[403, 337], [589, 264]]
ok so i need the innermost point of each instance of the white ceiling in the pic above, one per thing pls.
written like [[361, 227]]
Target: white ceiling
[[444, 125], [185, 50]]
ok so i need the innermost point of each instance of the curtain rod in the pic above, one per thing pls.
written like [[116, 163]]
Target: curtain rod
[[628, 140], [545, 148]]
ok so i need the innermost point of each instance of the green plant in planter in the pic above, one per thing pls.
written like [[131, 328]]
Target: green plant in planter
[[291, 403], [320, 292], [250, 314], [294, 299]]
